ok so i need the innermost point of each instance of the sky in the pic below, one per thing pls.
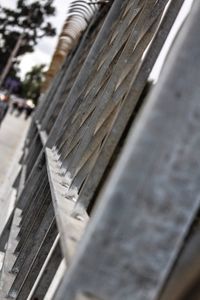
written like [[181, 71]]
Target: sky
[[161, 58], [45, 49]]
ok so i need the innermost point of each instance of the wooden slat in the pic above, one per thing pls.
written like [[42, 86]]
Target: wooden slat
[[70, 224], [47, 272], [149, 204]]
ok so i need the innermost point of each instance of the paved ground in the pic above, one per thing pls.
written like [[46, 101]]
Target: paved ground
[[12, 134]]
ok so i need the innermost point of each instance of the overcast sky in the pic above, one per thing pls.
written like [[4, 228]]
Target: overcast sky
[[44, 50], [181, 17]]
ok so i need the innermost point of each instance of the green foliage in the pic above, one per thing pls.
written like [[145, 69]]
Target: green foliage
[[31, 86], [28, 17]]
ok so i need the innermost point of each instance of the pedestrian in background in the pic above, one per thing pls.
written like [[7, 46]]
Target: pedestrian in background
[[4, 105]]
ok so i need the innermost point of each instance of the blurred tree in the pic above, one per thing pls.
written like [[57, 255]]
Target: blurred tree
[[31, 86], [24, 27]]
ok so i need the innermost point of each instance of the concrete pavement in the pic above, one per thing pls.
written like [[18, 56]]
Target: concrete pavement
[[12, 134]]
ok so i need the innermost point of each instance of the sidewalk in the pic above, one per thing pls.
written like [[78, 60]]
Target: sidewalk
[[12, 134]]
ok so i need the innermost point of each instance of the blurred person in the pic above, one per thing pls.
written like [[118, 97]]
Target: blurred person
[[20, 108], [4, 105], [29, 108], [14, 107]]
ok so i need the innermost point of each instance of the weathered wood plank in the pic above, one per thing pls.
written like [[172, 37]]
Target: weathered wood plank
[[154, 190]]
